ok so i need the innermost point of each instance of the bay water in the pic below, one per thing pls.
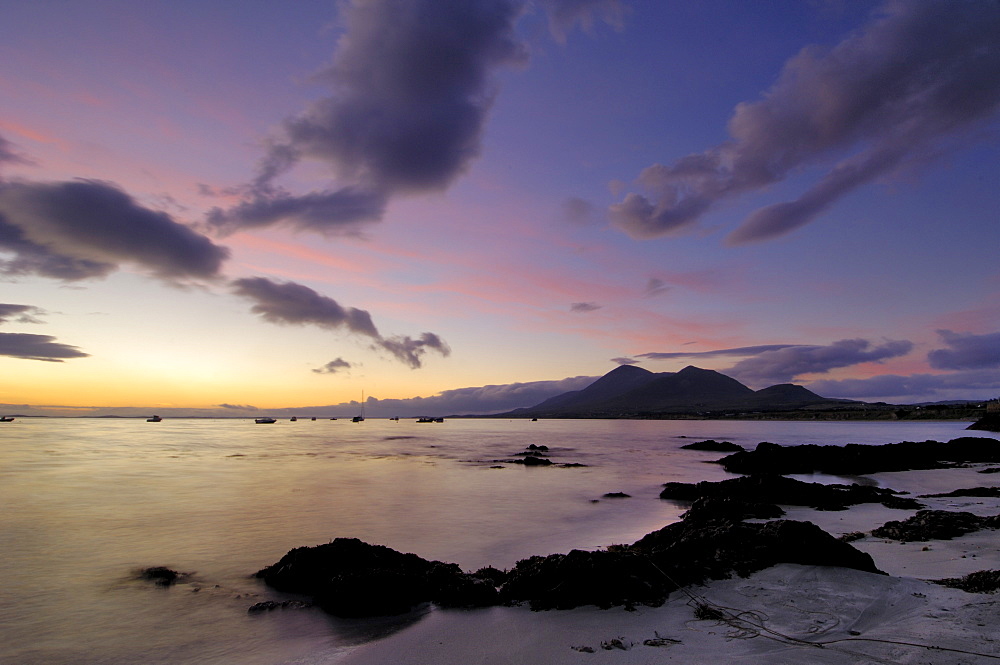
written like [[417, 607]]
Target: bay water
[[87, 503]]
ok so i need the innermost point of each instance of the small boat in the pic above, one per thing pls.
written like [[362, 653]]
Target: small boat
[[154, 419], [361, 418], [332, 418], [430, 420], [6, 419], [264, 421]]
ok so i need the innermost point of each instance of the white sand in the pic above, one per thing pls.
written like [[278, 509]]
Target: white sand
[[785, 614]]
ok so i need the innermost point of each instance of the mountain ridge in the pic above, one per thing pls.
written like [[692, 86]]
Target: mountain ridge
[[629, 390]]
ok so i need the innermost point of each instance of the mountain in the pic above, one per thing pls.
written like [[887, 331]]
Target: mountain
[[630, 390]]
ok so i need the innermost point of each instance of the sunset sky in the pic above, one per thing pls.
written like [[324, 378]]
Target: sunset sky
[[224, 207]]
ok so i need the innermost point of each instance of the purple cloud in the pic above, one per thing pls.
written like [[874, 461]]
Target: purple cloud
[[333, 367], [411, 84], [85, 229], [410, 351], [782, 365], [288, 303], [972, 384], [920, 74], [737, 351], [966, 351], [583, 307], [23, 313], [37, 347], [10, 155]]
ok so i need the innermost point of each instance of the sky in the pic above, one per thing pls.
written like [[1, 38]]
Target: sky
[[218, 208]]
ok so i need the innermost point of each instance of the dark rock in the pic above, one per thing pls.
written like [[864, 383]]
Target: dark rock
[[617, 495], [988, 423], [684, 553], [968, 491], [856, 459], [534, 461], [730, 509], [713, 549], [160, 575], [992, 469], [348, 577], [935, 525], [788, 491], [534, 447], [983, 581], [714, 446]]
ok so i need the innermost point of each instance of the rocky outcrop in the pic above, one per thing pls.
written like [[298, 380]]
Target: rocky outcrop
[[856, 459], [965, 491], [935, 525], [988, 423], [788, 491], [350, 578]]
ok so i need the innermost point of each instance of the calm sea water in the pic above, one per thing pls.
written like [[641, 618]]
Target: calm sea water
[[86, 503]]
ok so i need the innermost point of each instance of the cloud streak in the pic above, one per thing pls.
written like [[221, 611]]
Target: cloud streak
[[28, 346], [737, 351], [925, 387], [966, 351], [289, 303], [19, 313], [783, 364], [85, 229], [919, 76], [37, 347]]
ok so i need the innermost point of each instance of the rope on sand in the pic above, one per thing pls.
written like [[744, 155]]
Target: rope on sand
[[750, 624]]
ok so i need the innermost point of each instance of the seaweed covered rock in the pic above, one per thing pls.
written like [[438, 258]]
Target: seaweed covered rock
[[730, 509], [856, 459], [604, 578], [688, 552], [982, 581], [348, 577], [766, 488], [712, 550], [711, 445], [935, 525]]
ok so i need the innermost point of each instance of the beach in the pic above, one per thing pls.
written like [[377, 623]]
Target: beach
[[784, 614]]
